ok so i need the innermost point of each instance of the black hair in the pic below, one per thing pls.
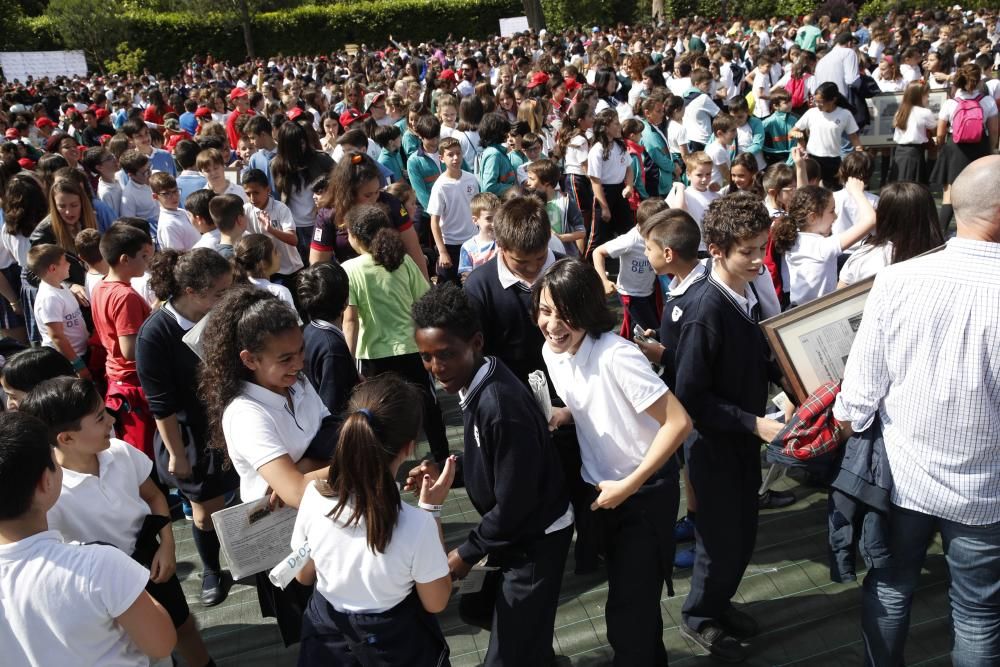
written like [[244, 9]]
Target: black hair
[[253, 256], [427, 127], [29, 367], [384, 134], [197, 203], [370, 225], [383, 417], [243, 319], [256, 176], [577, 293], [321, 291], [186, 153], [447, 307], [674, 229], [171, 272], [522, 225], [25, 455], [493, 129], [122, 238], [62, 403]]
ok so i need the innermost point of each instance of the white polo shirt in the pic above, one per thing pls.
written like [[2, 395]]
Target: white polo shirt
[[611, 171], [60, 602], [348, 574], [635, 276], [607, 385], [812, 266], [451, 201], [259, 427], [105, 507], [697, 203], [280, 217], [175, 230]]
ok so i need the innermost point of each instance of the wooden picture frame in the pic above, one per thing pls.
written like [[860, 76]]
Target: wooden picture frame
[[811, 342]]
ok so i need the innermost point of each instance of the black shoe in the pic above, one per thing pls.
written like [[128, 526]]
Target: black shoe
[[739, 624], [714, 639], [214, 588], [772, 500]]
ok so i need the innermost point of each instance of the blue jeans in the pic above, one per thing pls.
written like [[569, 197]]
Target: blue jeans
[[973, 557]]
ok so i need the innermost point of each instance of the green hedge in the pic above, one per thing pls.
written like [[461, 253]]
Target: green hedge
[[171, 38]]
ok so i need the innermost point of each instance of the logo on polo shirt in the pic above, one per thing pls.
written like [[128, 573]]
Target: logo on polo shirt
[[676, 313]]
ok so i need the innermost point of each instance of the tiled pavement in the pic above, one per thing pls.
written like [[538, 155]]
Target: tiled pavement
[[805, 619]]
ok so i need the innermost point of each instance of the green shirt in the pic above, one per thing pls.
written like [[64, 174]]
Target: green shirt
[[807, 37], [423, 170], [383, 300]]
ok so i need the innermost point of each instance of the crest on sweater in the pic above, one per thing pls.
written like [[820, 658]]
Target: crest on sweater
[[676, 313], [475, 434]]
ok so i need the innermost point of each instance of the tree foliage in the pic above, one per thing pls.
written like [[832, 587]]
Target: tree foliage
[[127, 60], [87, 25]]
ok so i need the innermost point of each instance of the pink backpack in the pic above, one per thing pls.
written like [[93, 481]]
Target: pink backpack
[[967, 123]]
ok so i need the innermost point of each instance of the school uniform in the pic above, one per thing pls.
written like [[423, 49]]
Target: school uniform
[[168, 371], [908, 159], [847, 213], [329, 365], [512, 474], [575, 183], [189, 181], [280, 217], [723, 370], [699, 110], [657, 146], [826, 135], [450, 200], [812, 266], [259, 427], [175, 230], [137, 201], [696, 202], [60, 603], [107, 508], [636, 282], [720, 156], [494, 170], [607, 385], [611, 172], [953, 158], [110, 194], [565, 217], [57, 305], [364, 609]]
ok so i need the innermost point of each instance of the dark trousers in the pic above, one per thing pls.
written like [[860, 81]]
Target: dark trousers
[[524, 615], [638, 540], [725, 477], [602, 230], [695, 146], [404, 635], [828, 168], [579, 188], [411, 369], [303, 237], [641, 310], [449, 275]]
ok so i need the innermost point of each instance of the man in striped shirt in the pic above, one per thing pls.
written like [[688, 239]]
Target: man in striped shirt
[[927, 360]]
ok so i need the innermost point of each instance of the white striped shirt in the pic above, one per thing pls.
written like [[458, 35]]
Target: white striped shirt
[[927, 358]]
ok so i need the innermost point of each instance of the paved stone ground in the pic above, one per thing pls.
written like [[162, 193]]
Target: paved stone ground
[[805, 619]]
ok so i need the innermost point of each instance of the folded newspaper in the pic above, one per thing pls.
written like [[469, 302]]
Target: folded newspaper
[[540, 389], [254, 537]]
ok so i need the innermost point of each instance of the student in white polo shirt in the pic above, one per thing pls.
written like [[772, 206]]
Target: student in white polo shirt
[[64, 604], [108, 496], [266, 415], [629, 425]]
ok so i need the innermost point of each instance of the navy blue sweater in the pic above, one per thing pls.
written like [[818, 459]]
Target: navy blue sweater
[[674, 315], [509, 329], [329, 366], [723, 367], [511, 468]]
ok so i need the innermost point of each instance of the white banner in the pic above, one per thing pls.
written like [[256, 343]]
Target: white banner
[[512, 26], [22, 64]]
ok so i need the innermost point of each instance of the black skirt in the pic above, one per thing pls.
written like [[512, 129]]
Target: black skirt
[[908, 164], [209, 476], [956, 157]]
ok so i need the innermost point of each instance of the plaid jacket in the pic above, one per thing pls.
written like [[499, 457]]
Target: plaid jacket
[[812, 430]]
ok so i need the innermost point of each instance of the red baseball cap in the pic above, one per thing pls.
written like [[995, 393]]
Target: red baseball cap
[[294, 113], [447, 75], [102, 113], [237, 93], [12, 133], [538, 79], [202, 112], [26, 163], [44, 122], [572, 85], [350, 116]]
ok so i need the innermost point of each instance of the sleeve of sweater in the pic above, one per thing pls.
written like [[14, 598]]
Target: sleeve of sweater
[[697, 353], [757, 143], [489, 172], [511, 449], [153, 360]]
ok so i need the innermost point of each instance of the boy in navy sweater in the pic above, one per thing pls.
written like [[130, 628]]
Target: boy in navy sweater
[[723, 366], [321, 296], [512, 474]]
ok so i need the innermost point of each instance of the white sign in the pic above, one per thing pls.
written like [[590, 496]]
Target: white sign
[[22, 64], [514, 25]]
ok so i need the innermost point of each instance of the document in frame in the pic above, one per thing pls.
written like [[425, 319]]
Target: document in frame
[[253, 537]]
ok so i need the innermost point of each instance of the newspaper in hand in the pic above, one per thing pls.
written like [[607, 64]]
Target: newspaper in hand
[[540, 389], [254, 537]]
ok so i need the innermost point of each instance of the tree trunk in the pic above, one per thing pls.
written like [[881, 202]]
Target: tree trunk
[[247, 32], [536, 17]]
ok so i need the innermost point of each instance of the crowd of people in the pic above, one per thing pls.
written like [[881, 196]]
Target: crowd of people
[[250, 283]]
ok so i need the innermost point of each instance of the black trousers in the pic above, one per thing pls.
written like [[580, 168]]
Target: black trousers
[[411, 369], [602, 231], [403, 636], [725, 477], [449, 275], [524, 615], [638, 541]]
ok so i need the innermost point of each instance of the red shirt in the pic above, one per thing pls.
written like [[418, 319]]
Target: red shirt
[[234, 136], [118, 310]]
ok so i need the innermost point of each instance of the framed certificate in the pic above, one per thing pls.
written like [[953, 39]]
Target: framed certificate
[[882, 109], [812, 342]]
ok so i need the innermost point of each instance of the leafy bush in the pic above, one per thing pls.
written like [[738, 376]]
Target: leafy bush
[[127, 60]]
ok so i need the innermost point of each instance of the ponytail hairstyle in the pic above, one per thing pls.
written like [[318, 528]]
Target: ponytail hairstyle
[[346, 178], [172, 273], [369, 224], [913, 96], [829, 91], [906, 217], [383, 418], [570, 128], [253, 256], [242, 320], [601, 124], [808, 200], [968, 77]]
